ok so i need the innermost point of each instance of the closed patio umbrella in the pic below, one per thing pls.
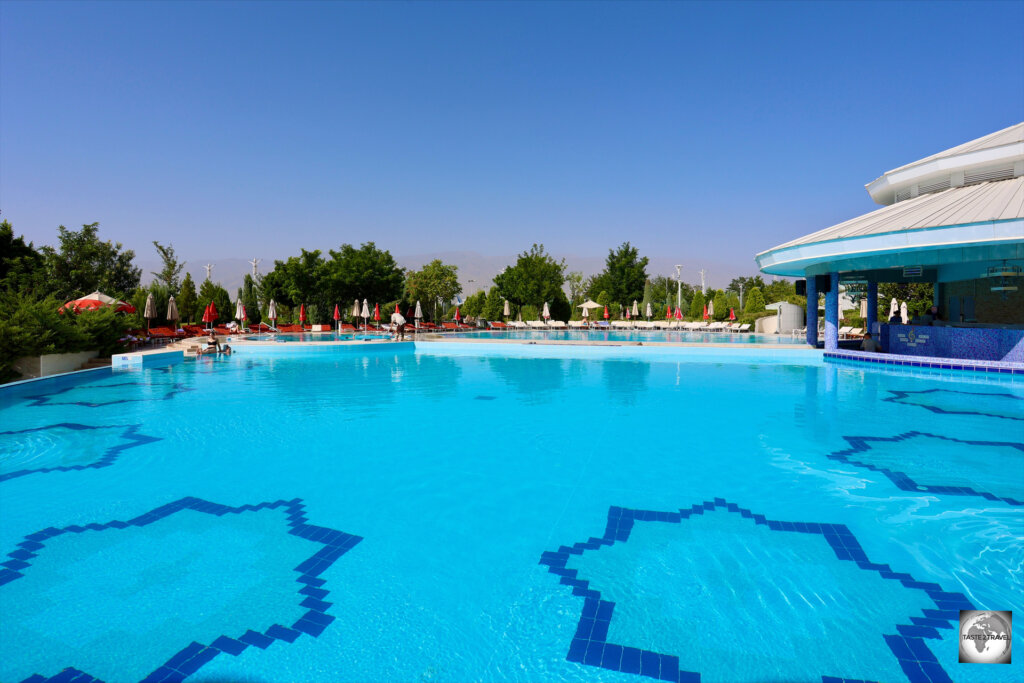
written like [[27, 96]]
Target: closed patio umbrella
[[903, 313], [337, 317], [272, 312], [506, 311], [239, 311], [458, 315], [419, 314], [150, 311], [628, 313], [668, 312], [732, 314], [606, 312], [546, 313], [711, 309], [679, 314], [365, 313], [648, 312], [302, 315], [376, 314], [894, 308], [636, 311], [172, 312], [705, 311]]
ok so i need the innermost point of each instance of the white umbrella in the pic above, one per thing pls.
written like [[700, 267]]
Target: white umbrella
[[636, 310], [506, 311], [239, 313], [419, 313], [150, 311], [272, 312], [172, 310], [903, 313], [365, 314], [894, 308], [711, 308], [586, 313], [649, 313], [589, 304], [545, 313]]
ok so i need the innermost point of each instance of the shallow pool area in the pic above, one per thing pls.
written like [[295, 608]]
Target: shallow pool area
[[458, 511], [643, 336]]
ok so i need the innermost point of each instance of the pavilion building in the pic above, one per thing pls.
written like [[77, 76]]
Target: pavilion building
[[954, 219]]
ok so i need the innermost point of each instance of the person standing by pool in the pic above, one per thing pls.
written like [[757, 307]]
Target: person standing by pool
[[398, 323]]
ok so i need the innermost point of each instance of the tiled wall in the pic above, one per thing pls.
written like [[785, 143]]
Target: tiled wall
[[954, 342], [989, 306]]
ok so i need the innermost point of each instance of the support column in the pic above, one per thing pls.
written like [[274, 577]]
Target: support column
[[812, 311], [872, 321], [832, 313]]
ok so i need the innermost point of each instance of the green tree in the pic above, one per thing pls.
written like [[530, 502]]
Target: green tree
[[918, 295], [535, 278], [360, 273], [697, 305], [624, 274], [434, 285], [575, 282], [209, 291], [474, 304], [83, 264], [187, 300], [22, 268], [780, 290], [755, 301], [494, 308], [721, 306], [250, 300], [747, 284], [732, 300], [170, 274]]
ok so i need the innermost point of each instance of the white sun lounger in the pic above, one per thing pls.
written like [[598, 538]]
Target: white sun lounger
[[535, 324]]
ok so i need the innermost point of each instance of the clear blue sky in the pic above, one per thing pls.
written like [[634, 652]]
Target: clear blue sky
[[712, 130]]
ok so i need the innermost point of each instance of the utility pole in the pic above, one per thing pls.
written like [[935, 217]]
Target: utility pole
[[255, 262], [209, 271], [703, 287], [679, 286], [741, 296]]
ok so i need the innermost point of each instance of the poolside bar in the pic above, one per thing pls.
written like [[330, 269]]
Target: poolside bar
[[954, 220]]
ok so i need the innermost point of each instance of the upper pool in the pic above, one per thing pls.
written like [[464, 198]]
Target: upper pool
[[670, 336], [456, 512]]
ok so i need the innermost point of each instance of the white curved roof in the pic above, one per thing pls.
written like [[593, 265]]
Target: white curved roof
[[998, 201], [999, 155], [987, 213], [1006, 136]]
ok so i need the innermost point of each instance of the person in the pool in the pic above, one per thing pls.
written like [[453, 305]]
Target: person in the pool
[[870, 343], [212, 345]]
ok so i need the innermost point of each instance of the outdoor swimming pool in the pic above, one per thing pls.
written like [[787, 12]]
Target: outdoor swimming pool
[[487, 512], [670, 336], [313, 337]]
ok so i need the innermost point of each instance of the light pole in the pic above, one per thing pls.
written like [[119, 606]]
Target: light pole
[[741, 296], [679, 285]]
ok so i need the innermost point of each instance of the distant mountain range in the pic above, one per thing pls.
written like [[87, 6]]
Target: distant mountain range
[[476, 271]]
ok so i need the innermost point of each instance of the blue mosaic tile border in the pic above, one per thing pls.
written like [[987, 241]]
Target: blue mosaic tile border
[[195, 655], [862, 444], [898, 396], [47, 399], [991, 366], [130, 433], [590, 645]]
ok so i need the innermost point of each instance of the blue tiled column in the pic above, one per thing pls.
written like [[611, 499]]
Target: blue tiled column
[[812, 311], [832, 313], [872, 306]]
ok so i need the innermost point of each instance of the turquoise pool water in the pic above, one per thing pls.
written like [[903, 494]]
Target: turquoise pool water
[[468, 512], [314, 337], [671, 336]]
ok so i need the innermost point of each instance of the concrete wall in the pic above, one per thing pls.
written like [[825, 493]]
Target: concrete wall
[[52, 363]]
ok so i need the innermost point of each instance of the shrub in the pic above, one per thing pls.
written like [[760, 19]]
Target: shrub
[[755, 301]]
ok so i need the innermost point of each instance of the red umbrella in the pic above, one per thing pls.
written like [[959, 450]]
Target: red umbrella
[[679, 314], [302, 313], [396, 309], [337, 315], [732, 314], [606, 311], [376, 312], [91, 302], [458, 316], [705, 311], [409, 314], [244, 316], [668, 312], [627, 313]]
